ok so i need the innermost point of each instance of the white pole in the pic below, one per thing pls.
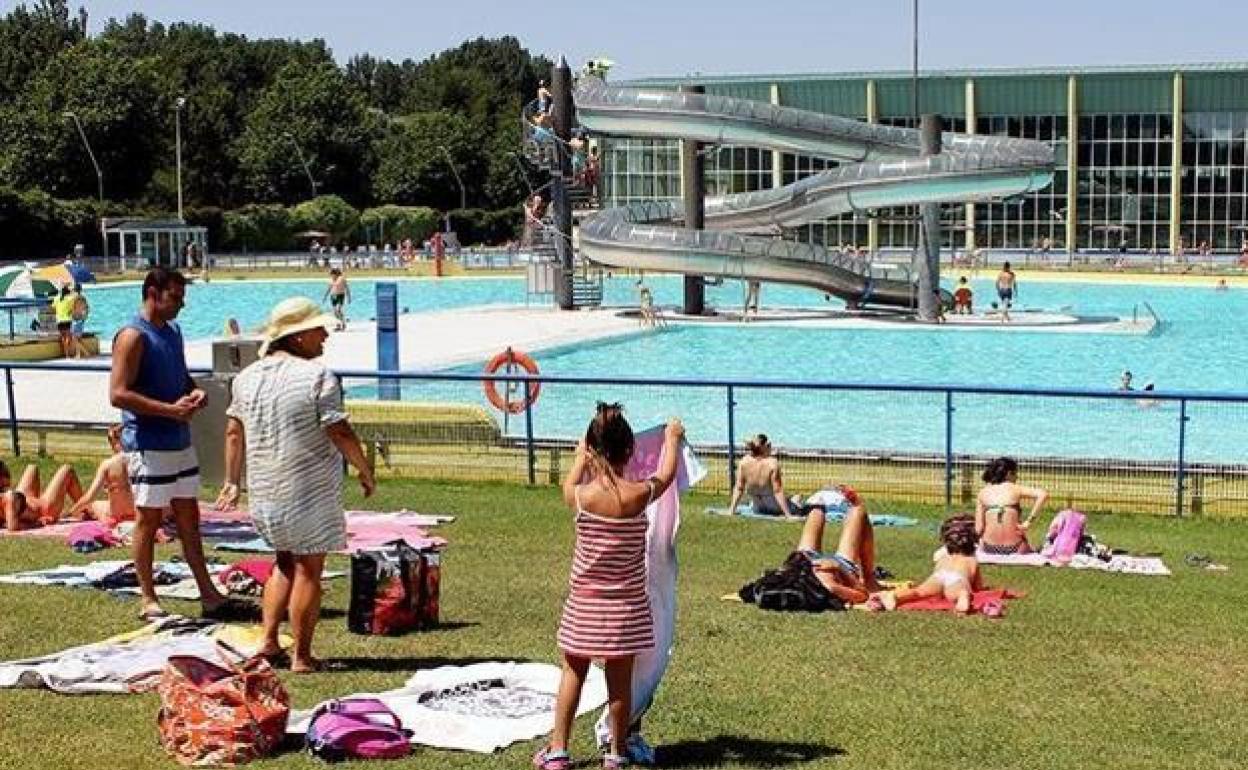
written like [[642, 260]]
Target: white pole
[[177, 129]]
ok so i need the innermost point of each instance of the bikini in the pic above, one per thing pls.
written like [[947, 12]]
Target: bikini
[[948, 578], [998, 549]]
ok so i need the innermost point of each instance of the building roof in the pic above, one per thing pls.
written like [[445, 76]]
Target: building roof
[[1123, 69], [149, 225]]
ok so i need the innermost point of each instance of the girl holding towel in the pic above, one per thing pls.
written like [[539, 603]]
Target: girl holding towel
[[607, 614]]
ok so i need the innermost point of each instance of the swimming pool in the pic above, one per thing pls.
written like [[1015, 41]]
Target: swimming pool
[[1200, 348]]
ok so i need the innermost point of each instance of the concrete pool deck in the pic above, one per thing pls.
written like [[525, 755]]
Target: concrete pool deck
[[427, 342], [449, 338]]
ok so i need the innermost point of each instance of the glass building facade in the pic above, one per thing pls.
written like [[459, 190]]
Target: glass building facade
[[1153, 159]]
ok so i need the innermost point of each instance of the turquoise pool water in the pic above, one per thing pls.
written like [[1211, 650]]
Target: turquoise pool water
[[1201, 347]]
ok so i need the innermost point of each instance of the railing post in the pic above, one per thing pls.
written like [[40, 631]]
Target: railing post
[[1180, 474], [8, 386], [948, 448], [528, 435], [732, 442]]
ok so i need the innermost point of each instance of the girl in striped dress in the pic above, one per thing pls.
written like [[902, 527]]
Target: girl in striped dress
[[607, 614]]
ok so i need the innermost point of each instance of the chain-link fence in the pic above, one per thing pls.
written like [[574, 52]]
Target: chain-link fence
[[1140, 451]]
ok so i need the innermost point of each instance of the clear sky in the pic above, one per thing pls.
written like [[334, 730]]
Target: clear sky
[[678, 37]]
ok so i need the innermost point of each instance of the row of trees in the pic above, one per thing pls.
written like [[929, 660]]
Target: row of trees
[[374, 132]]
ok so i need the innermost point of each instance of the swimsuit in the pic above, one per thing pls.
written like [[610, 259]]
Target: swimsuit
[[846, 564], [1002, 550], [336, 300], [1000, 510], [948, 578]]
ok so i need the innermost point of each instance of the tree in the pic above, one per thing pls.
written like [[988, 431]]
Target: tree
[[329, 213], [392, 224], [312, 112], [412, 161], [117, 101], [29, 38]]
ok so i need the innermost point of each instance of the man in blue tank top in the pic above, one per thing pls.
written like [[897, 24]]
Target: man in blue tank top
[[151, 385]]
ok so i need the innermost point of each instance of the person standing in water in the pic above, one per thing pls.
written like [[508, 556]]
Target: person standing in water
[[1007, 288], [339, 295]]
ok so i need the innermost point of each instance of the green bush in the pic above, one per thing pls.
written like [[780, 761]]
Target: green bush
[[391, 224], [481, 226], [257, 227], [327, 213], [34, 225]]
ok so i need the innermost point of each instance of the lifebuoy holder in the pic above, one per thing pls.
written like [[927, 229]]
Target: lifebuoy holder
[[508, 361]]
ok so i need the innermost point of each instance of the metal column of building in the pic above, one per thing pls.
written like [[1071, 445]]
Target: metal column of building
[[929, 227], [562, 114], [693, 189]]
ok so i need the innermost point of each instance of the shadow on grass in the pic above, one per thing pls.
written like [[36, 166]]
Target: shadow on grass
[[411, 665], [723, 750]]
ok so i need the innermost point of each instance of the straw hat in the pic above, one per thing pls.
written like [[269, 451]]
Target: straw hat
[[294, 315]]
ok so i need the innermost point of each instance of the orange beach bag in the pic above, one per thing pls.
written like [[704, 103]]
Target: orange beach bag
[[221, 715]]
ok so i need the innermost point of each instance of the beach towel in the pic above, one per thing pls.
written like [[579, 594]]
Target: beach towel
[[831, 516], [661, 566], [366, 530], [1131, 565], [211, 520], [130, 662], [482, 707], [979, 600]]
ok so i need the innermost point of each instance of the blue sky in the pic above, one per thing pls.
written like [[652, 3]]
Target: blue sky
[[675, 37]]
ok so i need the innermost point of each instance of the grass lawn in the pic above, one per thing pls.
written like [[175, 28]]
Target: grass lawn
[[1090, 670]]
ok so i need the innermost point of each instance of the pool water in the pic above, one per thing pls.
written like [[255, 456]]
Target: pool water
[[1201, 347]]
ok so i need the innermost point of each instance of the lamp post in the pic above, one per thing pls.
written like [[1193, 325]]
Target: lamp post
[[914, 73], [463, 195], [302, 160], [99, 175], [177, 132]]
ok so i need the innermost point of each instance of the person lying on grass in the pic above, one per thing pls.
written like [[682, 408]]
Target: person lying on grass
[[30, 505], [956, 576], [849, 571], [113, 478]]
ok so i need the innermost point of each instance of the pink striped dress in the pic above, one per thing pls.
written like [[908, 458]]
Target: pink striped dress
[[607, 614]]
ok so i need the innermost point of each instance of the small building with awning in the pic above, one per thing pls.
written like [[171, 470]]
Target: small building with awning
[[152, 242]]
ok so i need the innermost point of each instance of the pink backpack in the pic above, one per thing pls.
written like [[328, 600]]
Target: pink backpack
[[356, 728], [1064, 535]]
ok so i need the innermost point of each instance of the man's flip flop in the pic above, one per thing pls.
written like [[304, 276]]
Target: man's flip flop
[[155, 615]]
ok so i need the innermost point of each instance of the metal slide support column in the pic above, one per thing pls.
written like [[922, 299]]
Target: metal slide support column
[[693, 189], [732, 441], [873, 223], [929, 237], [971, 120], [1180, 476], [1072, 167], [561, 117], [1176, 168]]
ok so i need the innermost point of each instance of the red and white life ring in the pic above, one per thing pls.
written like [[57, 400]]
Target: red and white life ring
[[508, 361]]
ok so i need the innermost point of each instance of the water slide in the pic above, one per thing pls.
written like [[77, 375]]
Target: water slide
[[880, 168]]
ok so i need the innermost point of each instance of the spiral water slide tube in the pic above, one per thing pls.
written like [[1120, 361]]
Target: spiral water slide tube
[[881, 167]]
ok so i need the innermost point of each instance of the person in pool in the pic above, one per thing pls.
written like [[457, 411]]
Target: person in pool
[[1006, 288], [759, 479], [998, 509]]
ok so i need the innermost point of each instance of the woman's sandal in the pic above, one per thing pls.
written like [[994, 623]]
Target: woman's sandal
[[545, 759]]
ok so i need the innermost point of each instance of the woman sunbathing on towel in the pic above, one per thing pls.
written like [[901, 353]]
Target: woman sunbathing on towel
[[113, 477], [758, 477], [998, 509], [26, 506], [849, 571], [956, 576]]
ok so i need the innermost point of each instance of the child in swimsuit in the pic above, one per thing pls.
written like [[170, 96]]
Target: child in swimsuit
[[956, 575]]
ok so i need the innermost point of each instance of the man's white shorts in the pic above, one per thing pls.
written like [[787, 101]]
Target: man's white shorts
[[158, 477]]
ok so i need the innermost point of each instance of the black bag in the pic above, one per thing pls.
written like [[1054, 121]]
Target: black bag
[[394, 589], [792, 588]]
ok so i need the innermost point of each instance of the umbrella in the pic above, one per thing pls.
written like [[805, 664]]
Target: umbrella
[[19, 281], [65, 272]]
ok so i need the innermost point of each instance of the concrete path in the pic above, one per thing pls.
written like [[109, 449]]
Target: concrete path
[[428, 342]]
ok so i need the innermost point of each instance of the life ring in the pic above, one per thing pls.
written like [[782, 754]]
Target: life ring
[[510, 359]]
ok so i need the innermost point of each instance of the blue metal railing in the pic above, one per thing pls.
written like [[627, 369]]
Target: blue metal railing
[[731, 388]]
